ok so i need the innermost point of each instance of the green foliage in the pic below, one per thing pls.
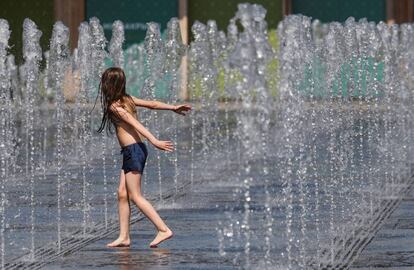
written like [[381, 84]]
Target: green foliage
[[273, 39], [195, 87], [272, 70], [221, 81], [234, 77]]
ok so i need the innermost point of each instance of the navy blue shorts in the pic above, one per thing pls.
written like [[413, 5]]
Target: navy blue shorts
[[134, 157]]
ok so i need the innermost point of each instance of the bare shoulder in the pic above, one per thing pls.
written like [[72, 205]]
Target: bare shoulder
[[141, 102], [136, 100]]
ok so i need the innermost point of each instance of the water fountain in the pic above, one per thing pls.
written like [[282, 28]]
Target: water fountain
[[336, 105], [32, 56], [58, 57], [316, 157], [6, 118]]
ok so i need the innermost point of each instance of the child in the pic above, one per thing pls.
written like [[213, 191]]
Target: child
[[119, 110]]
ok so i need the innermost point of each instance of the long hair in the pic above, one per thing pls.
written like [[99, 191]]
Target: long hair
[[112, 89]]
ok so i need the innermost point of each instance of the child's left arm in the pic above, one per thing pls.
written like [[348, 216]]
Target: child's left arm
[[158, 105]]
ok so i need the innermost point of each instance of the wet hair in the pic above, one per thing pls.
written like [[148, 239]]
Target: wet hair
[[112, 89]]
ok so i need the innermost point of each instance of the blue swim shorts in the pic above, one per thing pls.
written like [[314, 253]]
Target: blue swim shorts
[[134, 157]]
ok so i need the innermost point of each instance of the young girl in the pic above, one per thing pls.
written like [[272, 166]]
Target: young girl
[[119, 110]]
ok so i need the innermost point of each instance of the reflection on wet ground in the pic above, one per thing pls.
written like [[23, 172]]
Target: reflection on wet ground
[[194, 245], [393, 245]]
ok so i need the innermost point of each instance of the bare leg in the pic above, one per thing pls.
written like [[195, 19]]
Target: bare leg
[[133, 183], [124, 212]]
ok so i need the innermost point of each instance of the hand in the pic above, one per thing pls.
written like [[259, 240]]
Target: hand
[[164, 145], [180, 109]]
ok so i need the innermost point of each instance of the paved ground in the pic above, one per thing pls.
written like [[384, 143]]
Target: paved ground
[[196, 246], [195, 243], [393, 245]]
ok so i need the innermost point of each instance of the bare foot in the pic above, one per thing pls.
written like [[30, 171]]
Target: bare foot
[[120, 242], [161, 236]]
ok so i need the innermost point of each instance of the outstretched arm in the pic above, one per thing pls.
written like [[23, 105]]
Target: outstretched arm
[[129, 119], [158, 105]]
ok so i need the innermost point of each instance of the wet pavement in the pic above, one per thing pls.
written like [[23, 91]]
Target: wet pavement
[[194, 244], [393, 245]]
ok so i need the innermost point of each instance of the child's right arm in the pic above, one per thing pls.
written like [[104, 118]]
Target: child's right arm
[[127, 118]]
